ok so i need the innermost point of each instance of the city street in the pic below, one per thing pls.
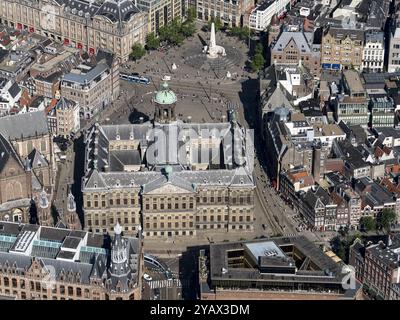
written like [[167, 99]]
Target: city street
[[65, 178]]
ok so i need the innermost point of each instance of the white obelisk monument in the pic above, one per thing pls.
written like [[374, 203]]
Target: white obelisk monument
[[213, 50]]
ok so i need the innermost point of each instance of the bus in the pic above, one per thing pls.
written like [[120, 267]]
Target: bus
[[134, 78]]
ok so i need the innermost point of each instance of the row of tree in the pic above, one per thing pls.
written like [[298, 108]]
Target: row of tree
[[258, 59], [386, 219], [243, 33], [173, 33]]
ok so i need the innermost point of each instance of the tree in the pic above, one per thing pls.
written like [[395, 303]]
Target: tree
[[258, 62], [259, 48], [177, 39], [191, 14], [152, 42], [245, 33], [241, 33], [188, 29], [137, 52], [388, 218], [368, 223]]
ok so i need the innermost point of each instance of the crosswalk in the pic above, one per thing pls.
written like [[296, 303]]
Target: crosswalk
[[290, 235], [156, 284]]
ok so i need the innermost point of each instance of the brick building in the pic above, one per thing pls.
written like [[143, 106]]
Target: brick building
[[86, 25], [43, 263], [342, 49]]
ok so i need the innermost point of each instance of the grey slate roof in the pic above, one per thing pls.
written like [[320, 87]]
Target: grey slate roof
[[223, 177], [65, 103], [6, 152], [86, 77], [118, 10], [36, 159], [99, 156], [301, 39], [14, 90], [114, 10], [24, 125]]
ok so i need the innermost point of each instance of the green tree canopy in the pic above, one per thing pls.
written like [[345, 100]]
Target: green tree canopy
[[241, 33], [258, 62], [137, 51], [368, 223], [191, 14], [175, 32], [259, 48], [388, 217], [152, 42], [188, 29]]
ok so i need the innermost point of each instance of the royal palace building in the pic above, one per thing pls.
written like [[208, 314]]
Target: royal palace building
[[88, 25], [43, 263], [172, 178]]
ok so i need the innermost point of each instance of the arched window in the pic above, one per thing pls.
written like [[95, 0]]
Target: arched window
[[87, 294], [6, 282], [78, 292], [14, 283], [70, 291]]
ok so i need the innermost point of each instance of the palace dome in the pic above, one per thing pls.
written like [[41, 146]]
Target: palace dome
[[165, 96]]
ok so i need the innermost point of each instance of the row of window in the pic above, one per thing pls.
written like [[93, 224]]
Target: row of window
[[41, 287]]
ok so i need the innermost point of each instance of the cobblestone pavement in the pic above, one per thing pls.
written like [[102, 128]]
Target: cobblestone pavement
[[65, 178], [191, 62]]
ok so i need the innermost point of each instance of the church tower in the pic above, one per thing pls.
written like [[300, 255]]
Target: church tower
[[71, 217], [165, 102], [44, 214], [119, 256]]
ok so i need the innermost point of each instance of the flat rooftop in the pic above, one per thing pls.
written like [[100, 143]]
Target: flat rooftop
[[353, 80]]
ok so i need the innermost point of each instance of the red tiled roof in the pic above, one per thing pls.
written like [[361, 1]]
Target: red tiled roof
[[390, 186], [25, 99], [51, 105]]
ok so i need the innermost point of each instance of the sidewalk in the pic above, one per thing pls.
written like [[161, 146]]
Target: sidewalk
[[173, 246]]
